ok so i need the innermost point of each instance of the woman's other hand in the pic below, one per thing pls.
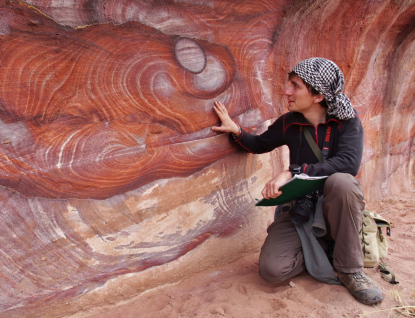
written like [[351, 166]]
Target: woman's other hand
[[272, 188]]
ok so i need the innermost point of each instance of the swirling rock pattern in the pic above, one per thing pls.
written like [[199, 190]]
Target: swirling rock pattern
[[108, 165], [108, 108]]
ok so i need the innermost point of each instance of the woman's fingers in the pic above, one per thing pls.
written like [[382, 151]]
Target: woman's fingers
[[227, 124], [220, 109]]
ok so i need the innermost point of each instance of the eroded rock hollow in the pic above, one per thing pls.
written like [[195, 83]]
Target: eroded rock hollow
[[111, 180]]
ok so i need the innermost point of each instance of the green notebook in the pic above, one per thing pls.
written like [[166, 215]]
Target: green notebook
[[296, 187]]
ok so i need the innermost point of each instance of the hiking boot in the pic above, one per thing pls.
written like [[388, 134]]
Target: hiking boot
[[361, 287]]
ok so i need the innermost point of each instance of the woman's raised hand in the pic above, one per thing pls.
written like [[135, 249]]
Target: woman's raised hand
[[228, 125]]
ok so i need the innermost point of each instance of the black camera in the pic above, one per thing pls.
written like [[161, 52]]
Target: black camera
[[305, 206], [302, 209]]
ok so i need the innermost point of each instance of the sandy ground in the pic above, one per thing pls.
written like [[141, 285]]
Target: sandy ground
[[237, 291]]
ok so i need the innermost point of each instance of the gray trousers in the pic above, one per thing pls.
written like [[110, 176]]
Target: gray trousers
[[282, 256]]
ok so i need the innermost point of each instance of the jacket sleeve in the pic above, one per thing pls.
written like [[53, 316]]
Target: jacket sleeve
[[267, 141], [348, 156]]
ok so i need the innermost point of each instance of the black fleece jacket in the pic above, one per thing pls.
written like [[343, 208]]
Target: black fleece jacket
[[345, 147]]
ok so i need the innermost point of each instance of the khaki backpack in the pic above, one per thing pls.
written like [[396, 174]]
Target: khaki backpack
[[374, 243]]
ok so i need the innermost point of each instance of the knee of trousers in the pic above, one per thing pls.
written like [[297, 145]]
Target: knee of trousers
[[276, 272], [342, 185], [270, 274]]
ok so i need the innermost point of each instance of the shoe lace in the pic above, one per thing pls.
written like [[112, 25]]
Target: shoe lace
[[361, 278]]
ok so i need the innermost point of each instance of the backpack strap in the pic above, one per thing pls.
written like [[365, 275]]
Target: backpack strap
[[320, 154], [313, 144], [386, 273]]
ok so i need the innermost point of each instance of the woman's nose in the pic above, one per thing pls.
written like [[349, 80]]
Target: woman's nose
[[288, 90]]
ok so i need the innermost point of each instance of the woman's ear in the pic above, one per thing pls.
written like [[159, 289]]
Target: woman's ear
[[318, 98]]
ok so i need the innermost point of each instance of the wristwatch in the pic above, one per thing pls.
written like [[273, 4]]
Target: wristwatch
[[295, 169]]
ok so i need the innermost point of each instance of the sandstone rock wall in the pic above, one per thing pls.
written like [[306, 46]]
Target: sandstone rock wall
[[111, 180]]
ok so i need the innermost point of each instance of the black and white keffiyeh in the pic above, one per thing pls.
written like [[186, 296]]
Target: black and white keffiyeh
[[327, 78]]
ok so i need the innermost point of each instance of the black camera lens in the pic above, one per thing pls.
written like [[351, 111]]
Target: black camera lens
[[302, 209]]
